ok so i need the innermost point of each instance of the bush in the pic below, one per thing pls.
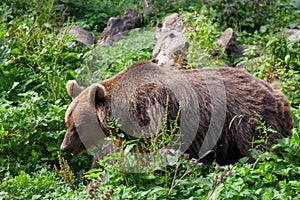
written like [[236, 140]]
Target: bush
[[270, 177], [27, 128], [281, 63], [33, 97], [41, 184], [246, 15], [96, 11], [103, 62], [252, 15], [202, 38], [160, 9], [274, 175]]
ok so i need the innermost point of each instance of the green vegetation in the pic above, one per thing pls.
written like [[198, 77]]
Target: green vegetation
[[103, 62], [202, 38], [35, 66]]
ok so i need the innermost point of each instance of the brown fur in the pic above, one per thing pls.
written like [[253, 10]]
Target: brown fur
[[246, 96]]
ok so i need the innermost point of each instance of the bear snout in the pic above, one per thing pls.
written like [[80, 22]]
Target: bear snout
[[64, 148]]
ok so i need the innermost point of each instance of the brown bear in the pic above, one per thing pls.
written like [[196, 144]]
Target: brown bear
[[217, 109]]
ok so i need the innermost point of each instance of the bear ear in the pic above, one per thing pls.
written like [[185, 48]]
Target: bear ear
[[96, 91], [73, 88]]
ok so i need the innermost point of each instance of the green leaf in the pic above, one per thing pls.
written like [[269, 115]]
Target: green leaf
[[15, 51]]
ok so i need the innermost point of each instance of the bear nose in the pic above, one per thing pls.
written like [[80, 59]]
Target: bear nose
[[64, 149]]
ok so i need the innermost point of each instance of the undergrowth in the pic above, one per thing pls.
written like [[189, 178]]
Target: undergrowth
[[35, 65], [272, 176]]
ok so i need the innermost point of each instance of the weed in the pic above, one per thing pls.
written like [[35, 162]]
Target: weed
[[202, 39], [263, 132], [65, 172]]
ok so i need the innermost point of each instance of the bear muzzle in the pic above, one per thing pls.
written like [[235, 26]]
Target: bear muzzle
[[64, 148], [73, 148]]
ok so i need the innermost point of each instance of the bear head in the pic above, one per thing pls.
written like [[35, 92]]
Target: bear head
[[83, 129]]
